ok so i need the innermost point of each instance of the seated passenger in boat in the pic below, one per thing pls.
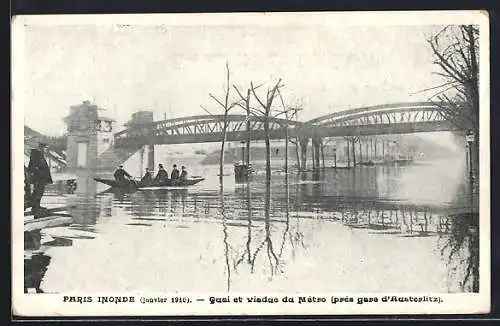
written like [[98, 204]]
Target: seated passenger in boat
[[162, 175], [183, 173], [175, 173], [147, 179], [120, 174]]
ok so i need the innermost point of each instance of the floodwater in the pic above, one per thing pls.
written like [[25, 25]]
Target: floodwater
[[368, 229]]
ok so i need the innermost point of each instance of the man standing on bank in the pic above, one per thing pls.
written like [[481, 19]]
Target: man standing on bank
[[40, 176]]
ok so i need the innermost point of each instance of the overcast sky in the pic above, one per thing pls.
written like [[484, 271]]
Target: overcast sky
[[172, 69]]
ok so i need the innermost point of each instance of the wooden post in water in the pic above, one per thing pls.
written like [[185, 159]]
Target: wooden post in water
[[335, 157], [353, 153], [360, 151], [322, 148], [383, 150], [371, 149], [348, 154]]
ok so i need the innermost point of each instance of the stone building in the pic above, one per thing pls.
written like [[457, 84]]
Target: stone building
[[89, 134]]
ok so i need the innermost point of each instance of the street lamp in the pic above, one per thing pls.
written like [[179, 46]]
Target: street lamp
[[469, 139]]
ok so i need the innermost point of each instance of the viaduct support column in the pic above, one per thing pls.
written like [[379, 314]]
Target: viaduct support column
[[316, 149], [151, 156], [141, 158], [303, 152], [142, 122]]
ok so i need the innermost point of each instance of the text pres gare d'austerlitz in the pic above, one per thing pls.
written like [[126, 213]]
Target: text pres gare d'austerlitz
[[252, 299]]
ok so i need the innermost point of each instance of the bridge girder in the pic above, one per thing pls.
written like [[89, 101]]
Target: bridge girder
[[376, 109], [198, 127], [394, 118]]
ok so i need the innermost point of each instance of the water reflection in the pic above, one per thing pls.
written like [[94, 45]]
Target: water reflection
[[267, 232]]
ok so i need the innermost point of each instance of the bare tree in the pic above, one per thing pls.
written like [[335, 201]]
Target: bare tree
[[456, 52], [295, 141], [226, 106], [265, 113], [245, 105], [290, 113]]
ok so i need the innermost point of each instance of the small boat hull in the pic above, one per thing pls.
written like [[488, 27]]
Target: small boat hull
[[132, 185]]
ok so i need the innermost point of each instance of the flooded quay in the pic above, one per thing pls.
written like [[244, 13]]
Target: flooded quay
[[365, 229]]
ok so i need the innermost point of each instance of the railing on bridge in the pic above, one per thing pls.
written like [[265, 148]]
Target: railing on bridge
[[200, 128]]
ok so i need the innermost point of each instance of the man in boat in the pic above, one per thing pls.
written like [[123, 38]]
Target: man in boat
[[121, 175], [183, 173], [162, 175], [39, 175], [175, 173], [147, 179]]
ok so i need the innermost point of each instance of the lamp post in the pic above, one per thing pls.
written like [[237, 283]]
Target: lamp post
[[469, 139]]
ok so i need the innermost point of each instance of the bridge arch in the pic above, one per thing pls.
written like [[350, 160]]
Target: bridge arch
[[384, 113], [201, 128], [394, 118]]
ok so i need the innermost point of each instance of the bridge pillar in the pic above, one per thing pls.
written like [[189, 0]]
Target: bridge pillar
[[151, 156], [316, 144], [303, 152], [89, 135], [142, 121], [141, 159]]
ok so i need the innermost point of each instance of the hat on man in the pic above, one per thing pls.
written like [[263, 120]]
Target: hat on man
[[183, 167]]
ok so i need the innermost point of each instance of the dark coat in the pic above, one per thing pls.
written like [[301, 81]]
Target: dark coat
[[183, 175], [175, 174], [38, 169], [161, 175], [120, 174], [27, 189], [147, 178]]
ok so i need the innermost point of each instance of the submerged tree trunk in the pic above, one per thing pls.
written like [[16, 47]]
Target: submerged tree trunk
[[322, 154], [268, 148], [248, 128], [223, 144], [360, 151], [297, 155], [353, 153], [286, 147], [348, 154]]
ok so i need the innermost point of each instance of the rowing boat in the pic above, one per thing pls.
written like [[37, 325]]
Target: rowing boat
[[137, 185]]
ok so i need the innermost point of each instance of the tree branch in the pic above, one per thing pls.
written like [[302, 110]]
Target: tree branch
[[217, 100], [255, 95]]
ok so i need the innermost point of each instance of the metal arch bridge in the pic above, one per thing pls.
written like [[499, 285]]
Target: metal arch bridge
[[202, 129], [393, 118]]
